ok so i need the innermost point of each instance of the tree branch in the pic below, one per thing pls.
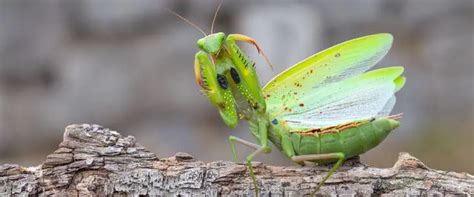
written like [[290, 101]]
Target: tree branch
[[92, 160]]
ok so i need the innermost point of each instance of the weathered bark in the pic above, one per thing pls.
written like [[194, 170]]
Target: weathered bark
[[93, 160]]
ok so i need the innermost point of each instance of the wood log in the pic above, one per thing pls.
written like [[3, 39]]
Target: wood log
[[93, 160]]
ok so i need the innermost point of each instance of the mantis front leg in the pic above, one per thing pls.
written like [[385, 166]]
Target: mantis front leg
[[330, 156], [214, 84], [247, 83], [239, 37]]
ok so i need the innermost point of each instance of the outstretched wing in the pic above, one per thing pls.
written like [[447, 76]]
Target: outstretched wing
[[333, 64], [305, 84]]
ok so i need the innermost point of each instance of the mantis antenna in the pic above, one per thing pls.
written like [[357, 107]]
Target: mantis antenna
[[215, 15], [187, 21]]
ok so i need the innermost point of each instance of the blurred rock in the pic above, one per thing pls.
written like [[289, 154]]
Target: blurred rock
[[447, 50], [129, 65], [3, 124], [31, 34], [421, 11], [347, 13], [114, 82], [116, 18]]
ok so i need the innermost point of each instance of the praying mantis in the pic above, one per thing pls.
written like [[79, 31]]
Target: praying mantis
[[324, 109]]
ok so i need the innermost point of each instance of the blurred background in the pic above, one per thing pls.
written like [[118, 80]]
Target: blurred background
[[128, 65]]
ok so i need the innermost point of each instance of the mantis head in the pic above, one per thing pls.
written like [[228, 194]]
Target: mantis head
[[211, 43], [214, 81]]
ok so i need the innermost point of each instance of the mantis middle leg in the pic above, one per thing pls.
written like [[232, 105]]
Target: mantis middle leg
[[233, 139], [258, 149]]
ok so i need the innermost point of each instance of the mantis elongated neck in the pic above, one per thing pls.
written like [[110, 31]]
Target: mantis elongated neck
[[255, 118]]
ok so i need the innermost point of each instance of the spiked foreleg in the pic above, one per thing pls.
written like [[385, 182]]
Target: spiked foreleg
[[239, 37], [249, 84]]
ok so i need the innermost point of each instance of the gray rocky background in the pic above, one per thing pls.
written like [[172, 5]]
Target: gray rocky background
[[128, 65]]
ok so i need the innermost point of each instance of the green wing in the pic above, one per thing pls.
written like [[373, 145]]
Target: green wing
[[301, 86]]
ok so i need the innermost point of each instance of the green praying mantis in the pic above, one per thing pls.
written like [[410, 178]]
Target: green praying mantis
[[323, 109]]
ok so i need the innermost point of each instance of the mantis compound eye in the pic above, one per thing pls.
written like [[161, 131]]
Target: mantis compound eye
[[235, 75], [222, 81]]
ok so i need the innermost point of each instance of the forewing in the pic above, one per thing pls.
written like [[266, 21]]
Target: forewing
[[334, 64]]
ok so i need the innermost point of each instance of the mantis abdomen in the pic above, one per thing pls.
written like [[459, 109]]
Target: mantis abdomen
[[352, 140]]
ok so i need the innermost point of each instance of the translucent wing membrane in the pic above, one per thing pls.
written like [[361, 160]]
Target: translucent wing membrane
[[361, 97], [388, 107], [337, 63]]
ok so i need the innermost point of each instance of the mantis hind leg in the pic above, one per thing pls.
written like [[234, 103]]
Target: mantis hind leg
[[321, 157]]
